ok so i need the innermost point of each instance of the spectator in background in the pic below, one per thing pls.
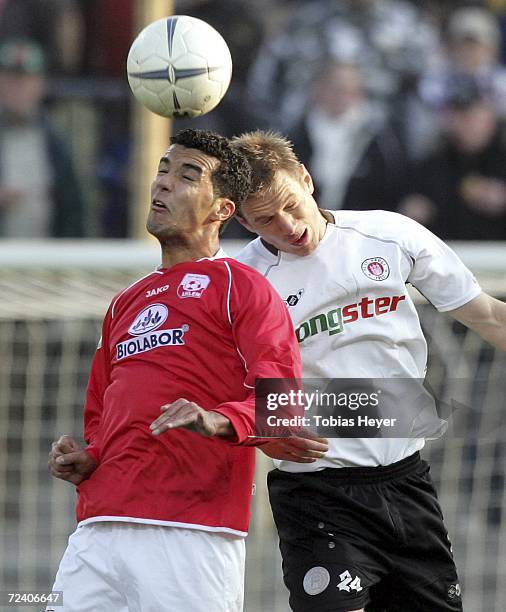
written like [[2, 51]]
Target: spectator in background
[[498, 7], [459, 190], [109, 28], [39, 193], [109, 31], [355, 158], [112, 171], [473, 41], [240, 24], [390, 37], [56, 25]]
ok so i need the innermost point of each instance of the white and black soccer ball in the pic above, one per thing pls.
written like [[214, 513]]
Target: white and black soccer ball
[[179, 66]]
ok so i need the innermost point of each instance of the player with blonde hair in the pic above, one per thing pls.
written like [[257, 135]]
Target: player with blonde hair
[[361, 528]]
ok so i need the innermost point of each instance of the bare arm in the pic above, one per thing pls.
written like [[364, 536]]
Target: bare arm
[[486, 316], [189, 415]]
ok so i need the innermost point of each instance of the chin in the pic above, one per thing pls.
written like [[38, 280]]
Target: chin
[[305, 252], [152, 229], [157, 228], [301, 251], [160, 233]]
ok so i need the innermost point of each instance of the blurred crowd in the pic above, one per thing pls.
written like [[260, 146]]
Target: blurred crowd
[[391, 104]]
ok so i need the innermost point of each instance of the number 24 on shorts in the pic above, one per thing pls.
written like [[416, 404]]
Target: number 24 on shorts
[[348, 583]]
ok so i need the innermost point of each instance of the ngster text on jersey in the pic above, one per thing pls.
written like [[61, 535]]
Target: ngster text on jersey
[[334, 320]]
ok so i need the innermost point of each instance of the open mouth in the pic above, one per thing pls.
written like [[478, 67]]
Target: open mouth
[[158, 206], [301, 240]]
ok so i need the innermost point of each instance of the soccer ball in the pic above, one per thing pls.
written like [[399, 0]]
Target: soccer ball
[[179, 66]]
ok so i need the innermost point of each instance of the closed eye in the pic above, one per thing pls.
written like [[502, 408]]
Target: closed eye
[[264, 221]]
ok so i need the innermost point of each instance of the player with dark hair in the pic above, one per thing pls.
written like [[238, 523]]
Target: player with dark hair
[[164, 484], [360, 528], [231, 177]]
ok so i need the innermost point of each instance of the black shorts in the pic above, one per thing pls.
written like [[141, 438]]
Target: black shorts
[[370, 538]]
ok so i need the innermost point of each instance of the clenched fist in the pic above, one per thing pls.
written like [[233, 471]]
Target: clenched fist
[[69, 461]]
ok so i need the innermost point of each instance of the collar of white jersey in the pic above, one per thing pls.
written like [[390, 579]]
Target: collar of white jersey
[[273, 257]]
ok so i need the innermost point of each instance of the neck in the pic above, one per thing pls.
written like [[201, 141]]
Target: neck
[[269, 246], [177, 251], [328, 218]]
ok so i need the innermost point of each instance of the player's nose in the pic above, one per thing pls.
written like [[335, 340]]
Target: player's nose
[[164, 181], [286, 224]]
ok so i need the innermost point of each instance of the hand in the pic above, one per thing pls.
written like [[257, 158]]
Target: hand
[[189, 415], [69, 461], [297, 449]]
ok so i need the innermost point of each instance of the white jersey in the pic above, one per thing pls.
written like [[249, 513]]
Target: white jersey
[[356, 280]]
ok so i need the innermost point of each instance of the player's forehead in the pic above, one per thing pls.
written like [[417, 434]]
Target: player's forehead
[[178, 155], [284, 188]]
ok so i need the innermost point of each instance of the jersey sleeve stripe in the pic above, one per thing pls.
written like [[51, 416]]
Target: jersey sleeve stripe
[[384, 240], [229, 291], [230, 317]]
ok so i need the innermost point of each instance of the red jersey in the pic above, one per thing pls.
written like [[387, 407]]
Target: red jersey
[[202, 330]]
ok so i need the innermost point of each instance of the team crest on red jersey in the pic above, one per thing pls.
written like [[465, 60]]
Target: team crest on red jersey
[[376, 268], [193, 285]]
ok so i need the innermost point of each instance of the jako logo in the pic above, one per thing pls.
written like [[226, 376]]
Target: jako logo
[[149, 319], [334, 320], [153, 292]]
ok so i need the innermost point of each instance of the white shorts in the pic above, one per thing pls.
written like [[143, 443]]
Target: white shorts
[[135, 567]]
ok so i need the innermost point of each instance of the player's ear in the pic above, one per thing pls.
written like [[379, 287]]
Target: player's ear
[[306, 178], [223, 210]]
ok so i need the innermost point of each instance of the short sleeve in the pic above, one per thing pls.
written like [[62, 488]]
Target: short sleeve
[[437, 271]]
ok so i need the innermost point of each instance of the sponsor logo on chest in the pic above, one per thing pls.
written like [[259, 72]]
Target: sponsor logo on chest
[[146, 334], [149, 319], [334, 320]]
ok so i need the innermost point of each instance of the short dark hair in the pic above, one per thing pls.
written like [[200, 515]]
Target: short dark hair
[[232, 178]]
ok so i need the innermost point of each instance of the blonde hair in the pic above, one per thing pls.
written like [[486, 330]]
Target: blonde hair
[[267, 153]]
